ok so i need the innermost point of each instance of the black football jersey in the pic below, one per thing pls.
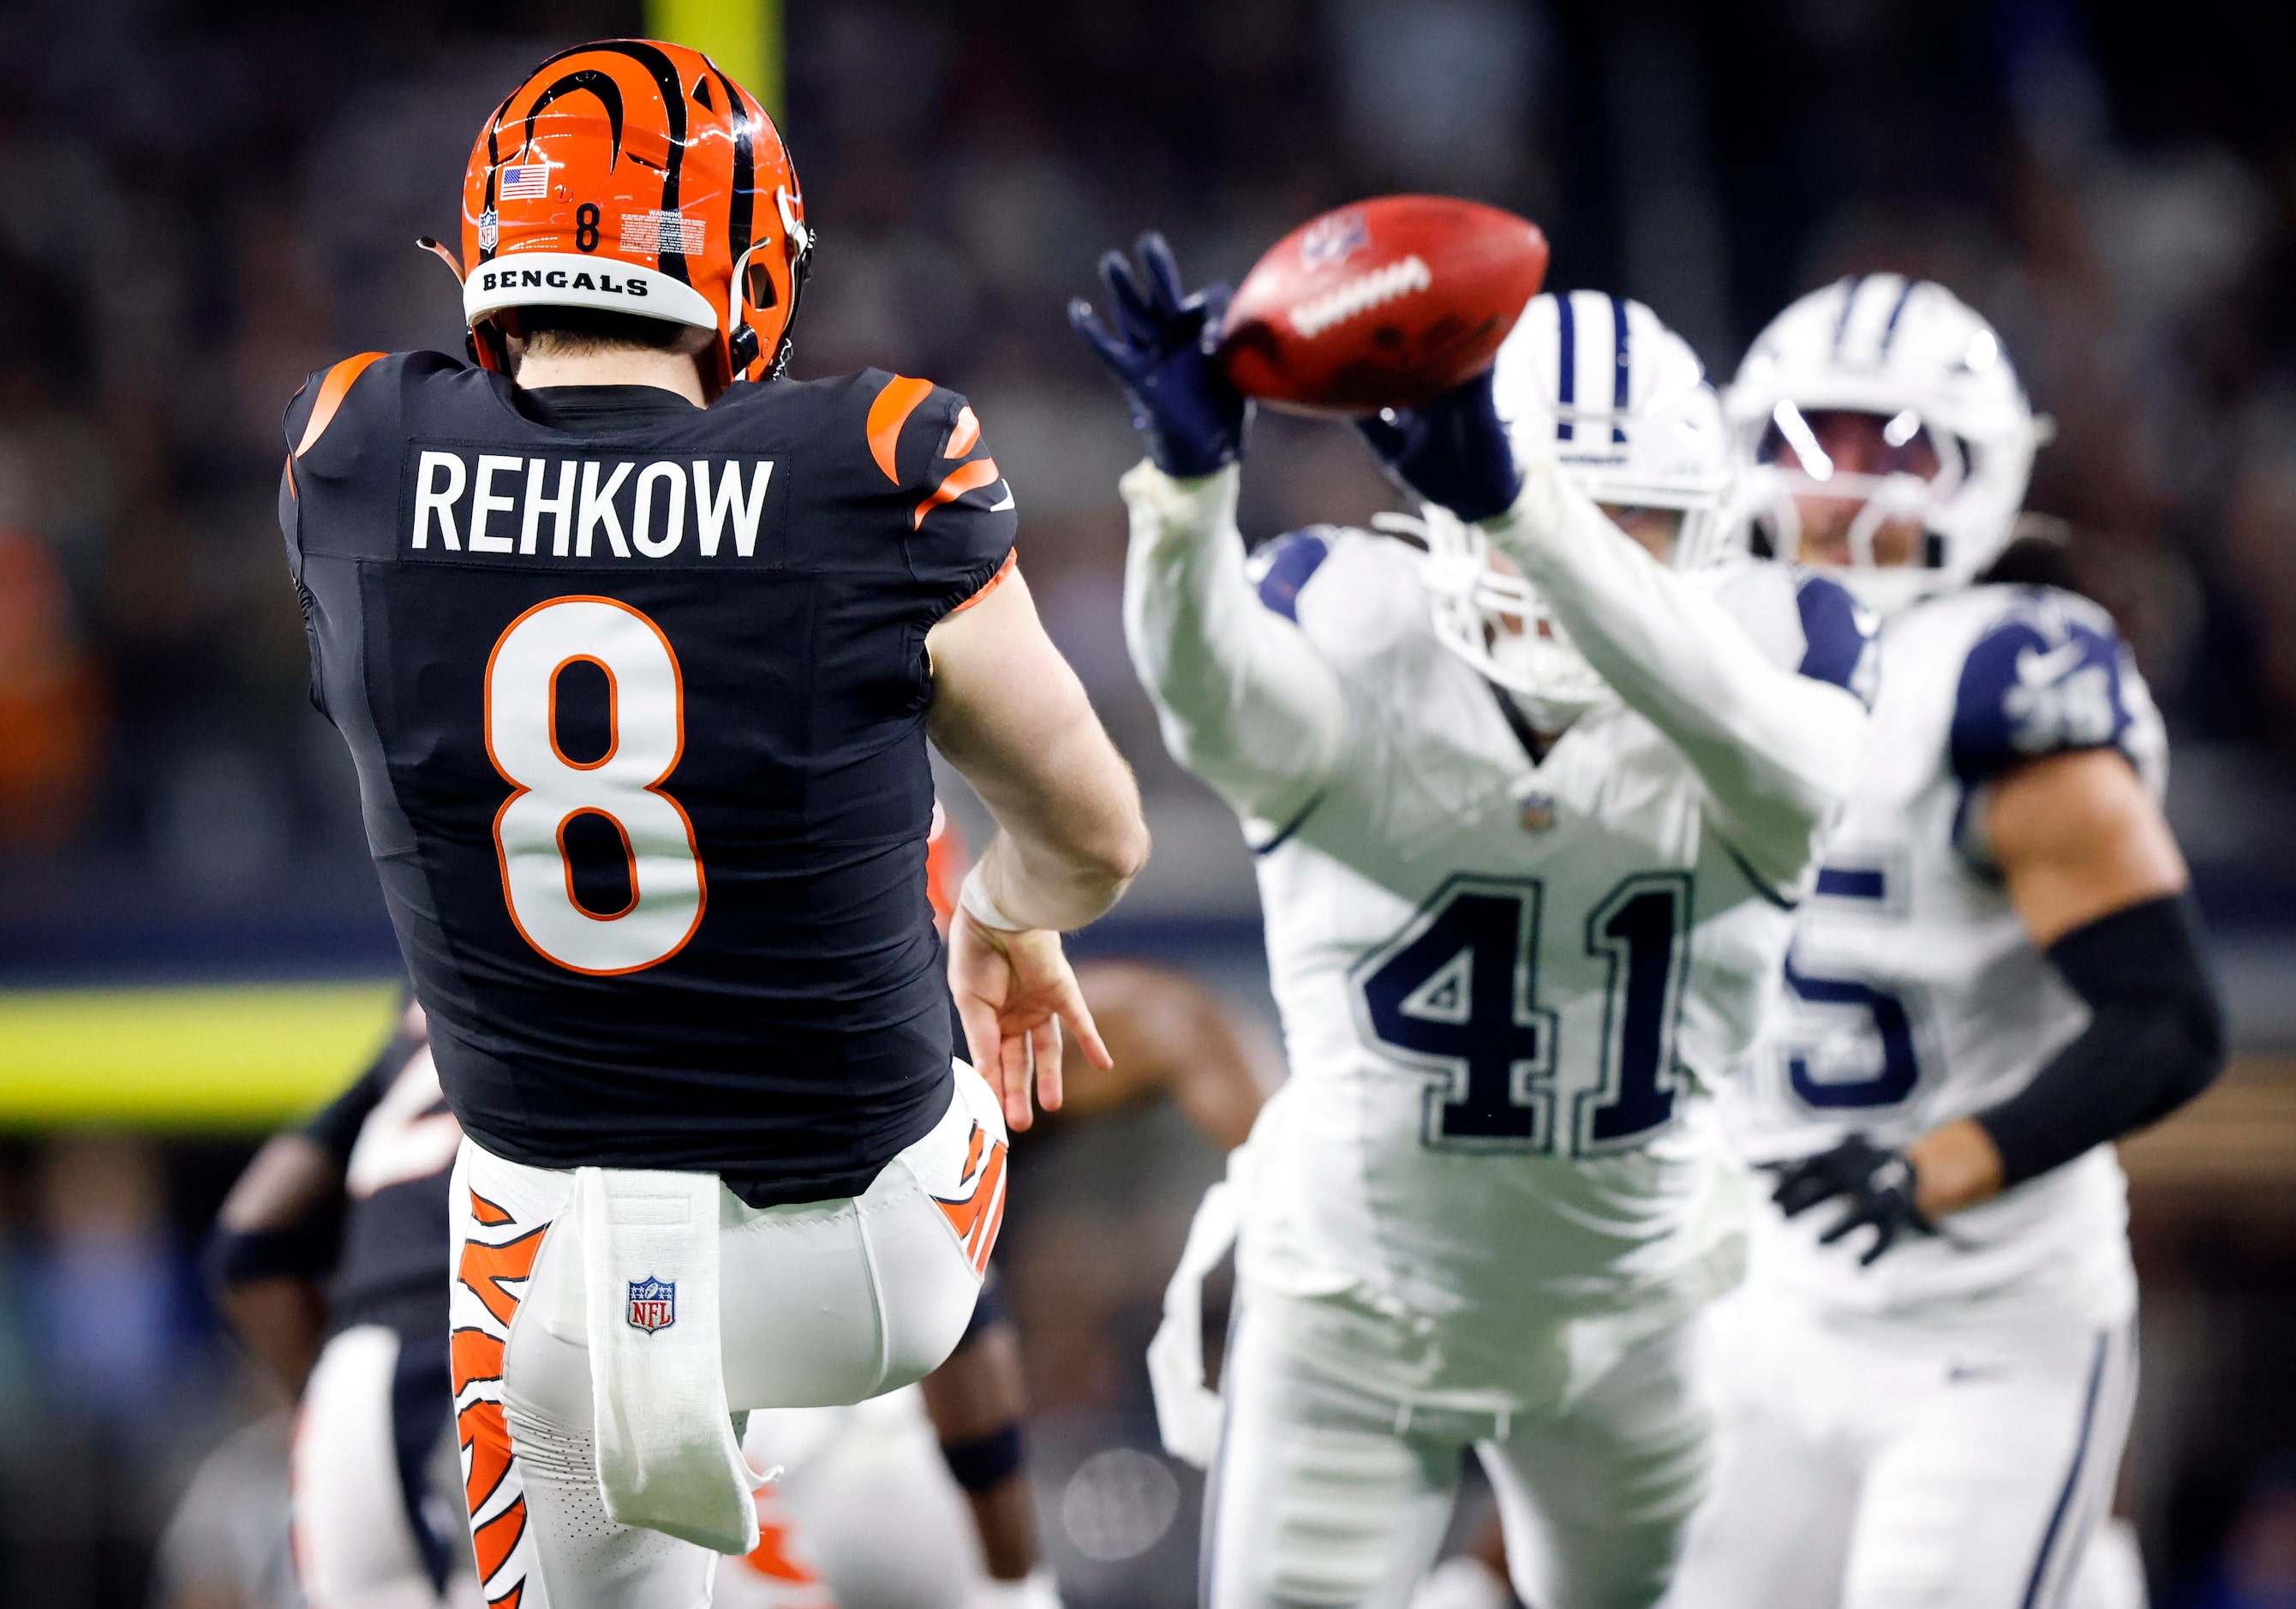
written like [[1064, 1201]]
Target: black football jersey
[[636, 693]]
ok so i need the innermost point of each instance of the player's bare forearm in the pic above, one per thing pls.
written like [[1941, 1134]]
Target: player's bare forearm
[[1167, 1034], [283, 1321], [1245, 699], [1011, 715], [1956, 1167]]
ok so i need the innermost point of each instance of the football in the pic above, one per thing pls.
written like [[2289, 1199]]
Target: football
[[1386, 303]]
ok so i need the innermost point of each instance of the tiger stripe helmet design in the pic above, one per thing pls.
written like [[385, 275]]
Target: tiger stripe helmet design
[[636, 176]]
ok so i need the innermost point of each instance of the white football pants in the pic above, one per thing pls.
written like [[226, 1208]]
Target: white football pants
[[362, 1477], [1327, 1496], [1884, 1467], [820, 1304]]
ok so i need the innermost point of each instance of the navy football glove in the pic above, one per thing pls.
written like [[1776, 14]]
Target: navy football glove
[[1875, 1182], [1453, 450], [1161, 352]]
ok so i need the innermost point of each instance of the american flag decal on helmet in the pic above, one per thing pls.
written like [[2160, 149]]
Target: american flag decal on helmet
[[653, 1304]]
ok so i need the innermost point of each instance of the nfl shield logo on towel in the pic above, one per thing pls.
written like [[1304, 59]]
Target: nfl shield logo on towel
[[653, 1304]]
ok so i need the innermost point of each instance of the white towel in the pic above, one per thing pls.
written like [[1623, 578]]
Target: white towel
[[668, 1457]]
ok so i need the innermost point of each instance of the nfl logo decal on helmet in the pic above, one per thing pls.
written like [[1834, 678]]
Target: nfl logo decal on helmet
[[653, 1304]]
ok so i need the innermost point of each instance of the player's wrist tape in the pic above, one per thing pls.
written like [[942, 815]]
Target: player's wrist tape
[[984, 1461], [973, 896], [2155, 1039]]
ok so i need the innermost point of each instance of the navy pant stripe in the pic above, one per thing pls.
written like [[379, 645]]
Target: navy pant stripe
[[2033, 1583]]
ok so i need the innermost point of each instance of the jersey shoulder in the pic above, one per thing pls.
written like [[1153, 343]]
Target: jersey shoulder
[[916, 445], [342, 404], [1803, 620], [1354, 592], [2037, 672]]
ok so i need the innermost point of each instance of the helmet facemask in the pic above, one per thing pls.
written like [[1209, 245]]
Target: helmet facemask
[[1652, 438], [1927, 371]]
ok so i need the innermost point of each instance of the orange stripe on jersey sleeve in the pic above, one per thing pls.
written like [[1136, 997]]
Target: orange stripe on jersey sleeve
[[964, 477], [333, 390], [888, 414], [1012, 559]]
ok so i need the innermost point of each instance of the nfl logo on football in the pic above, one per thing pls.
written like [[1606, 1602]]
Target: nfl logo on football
[[653, 1304]]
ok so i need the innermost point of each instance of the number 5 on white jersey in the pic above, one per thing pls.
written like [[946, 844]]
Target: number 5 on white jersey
[[646, 726]]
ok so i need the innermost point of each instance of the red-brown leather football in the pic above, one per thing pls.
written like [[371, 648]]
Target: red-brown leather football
[[1387, 303]]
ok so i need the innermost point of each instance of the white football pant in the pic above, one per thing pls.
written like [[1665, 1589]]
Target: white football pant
[[1887, 1466], [1328, 1496], [362, 1480], [820, 1304]]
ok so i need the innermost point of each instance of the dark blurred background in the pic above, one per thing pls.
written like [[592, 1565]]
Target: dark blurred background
[[202, 202]]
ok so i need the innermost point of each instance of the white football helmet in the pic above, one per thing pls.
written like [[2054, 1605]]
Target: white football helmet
[[1620, 402], [1913, 354]]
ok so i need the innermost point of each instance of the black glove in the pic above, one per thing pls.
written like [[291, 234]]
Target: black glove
[[1161, 352], [1877, 1182], [1453, 450]]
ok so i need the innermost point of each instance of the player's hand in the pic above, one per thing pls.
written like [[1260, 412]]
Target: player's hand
[[1013, 991], [1161, 352], [1876, 1184], [1453, 450]]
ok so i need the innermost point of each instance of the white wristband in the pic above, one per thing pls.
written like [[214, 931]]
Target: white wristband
[[972, 898]]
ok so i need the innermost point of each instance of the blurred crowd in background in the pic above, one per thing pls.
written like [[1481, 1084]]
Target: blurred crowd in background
[[202, 202]]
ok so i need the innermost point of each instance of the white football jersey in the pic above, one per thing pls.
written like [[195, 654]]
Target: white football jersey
[[1505, 986], [1912, 995]]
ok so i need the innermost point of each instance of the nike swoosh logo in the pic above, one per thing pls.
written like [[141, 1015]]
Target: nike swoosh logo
[[2039, 669], [999, 508]]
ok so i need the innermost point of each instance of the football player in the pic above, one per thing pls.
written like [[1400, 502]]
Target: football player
[[1928, 1374], [1529, 807], [636, 647], [328, 1256]]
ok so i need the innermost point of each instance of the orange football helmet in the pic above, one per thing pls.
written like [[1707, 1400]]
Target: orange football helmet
[[636, 176]]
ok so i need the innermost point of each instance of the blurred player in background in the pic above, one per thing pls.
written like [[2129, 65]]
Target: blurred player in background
[[329, 1257], [865, 1516], [1530, 806], [649, 802], [1929, 1375]]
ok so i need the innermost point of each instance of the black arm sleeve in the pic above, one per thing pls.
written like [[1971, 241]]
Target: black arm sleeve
[[2157, 1039]]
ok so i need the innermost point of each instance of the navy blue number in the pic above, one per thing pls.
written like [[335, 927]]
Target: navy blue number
[[1641, 927], [1458, 989], [1892, 1025]]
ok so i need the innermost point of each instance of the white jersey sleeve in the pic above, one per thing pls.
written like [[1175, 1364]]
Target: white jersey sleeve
[[1777, 751], [1245, 699]]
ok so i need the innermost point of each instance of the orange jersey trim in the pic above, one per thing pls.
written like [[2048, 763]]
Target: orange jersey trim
[[964, 477], [888, 414], [333, 390], [1012, 561]]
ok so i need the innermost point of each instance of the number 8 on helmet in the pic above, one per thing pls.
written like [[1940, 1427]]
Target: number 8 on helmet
[[636, 177]]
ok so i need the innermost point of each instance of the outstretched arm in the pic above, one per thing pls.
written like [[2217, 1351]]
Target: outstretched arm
[[1011, 715], [1245, 701], [1778, 752]]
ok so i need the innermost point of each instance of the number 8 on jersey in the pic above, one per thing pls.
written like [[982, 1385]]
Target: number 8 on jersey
[[647, 722]]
